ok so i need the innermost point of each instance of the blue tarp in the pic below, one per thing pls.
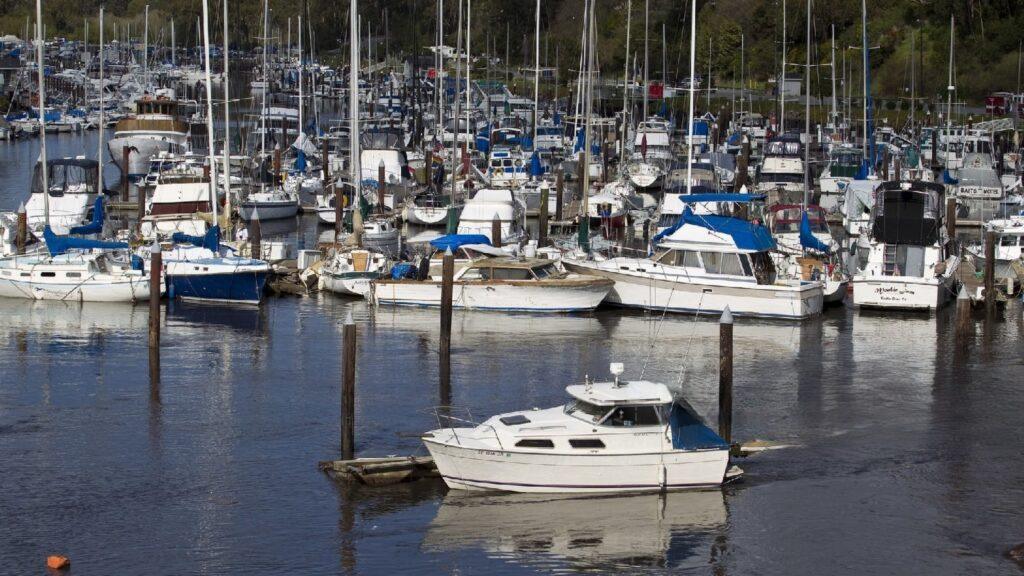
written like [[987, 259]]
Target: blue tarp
[[746, 235], [947, 178], [721, 197], [94, 227], [399, 271], [58, 245], [690, 433], [807, 239], [535, 168], [862, 172], [210, 241], [454, 241], [300, 161]]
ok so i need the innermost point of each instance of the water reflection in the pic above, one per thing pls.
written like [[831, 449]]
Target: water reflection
[[607, 533]]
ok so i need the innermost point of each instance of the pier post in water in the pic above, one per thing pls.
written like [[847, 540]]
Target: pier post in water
[[255, 236], [125, 152], [990, 271], [444, 372], [326, 162], [496, 231], [559, 194], [348, 390], [963, 317], [725, 375], [951, 218], [542, 237], [21, 237], [155, 271]]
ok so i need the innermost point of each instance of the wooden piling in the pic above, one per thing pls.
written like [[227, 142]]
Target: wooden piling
[[140, 193], [496, 231], [325, 162], [743, 165], [382, 182], [725, 375], [990, 271], [428, 167], [447, 286], [559, 194], [951, 218], [542, 236], [277, 164], [21, 236], [125, 152], [348, 390], [963, 317], [155, 270], [255, 236]]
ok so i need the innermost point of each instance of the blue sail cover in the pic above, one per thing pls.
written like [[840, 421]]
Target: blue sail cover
[[483, 140], [689, 432], [862, 172], [58, 245], [746, 235], [454, 241], [947, 178], [94, 227], [300, 162], [807, 239], [721, 197], [535, 168], [210, 240]]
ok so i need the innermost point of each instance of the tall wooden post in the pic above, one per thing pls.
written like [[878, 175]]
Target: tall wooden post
[[990, 271], [951, 218], [255, 236], [382, 182], [963, 318], [125, 152], [277, 165], [559, 194], [447, 286], [742, 165], [542, 237], [325, 162], [348, 390], [496, 231], [21, 237], [428, 167], [155, 270], [725, 375]]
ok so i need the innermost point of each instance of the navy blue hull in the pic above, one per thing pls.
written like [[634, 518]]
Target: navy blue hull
[[235, 287]]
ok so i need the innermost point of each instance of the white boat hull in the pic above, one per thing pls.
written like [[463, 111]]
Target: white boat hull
[[579, 297], [143, 149], [268, 210], [477, 469], [127, 290], [902, 293]]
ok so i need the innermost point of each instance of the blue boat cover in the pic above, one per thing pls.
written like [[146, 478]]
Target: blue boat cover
[[746, 235], [807, 238], [58, 245], [721, 197], [300, 161], [690, 433], [94, 227], [862, 172], [210, 240], [403, 270], [454, 241], [947, 178], [535, 168]]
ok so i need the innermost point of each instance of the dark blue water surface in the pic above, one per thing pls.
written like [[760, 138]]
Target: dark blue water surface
[[903, 452]]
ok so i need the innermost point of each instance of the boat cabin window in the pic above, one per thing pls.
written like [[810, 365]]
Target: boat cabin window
[[48, 274], [535, 443], [764, 268], [633, 416], [586, 411], [712, 261], [506, 274], [685, 258], [731, 265], [586, 443], [545, 271], [1011, 240]]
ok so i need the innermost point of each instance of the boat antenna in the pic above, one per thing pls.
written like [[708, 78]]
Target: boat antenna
[[42, 114]]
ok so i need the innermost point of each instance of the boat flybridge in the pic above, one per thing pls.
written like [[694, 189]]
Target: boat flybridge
[[781, 174], [908, 261], [618, 436], [704, 263], [1009, 249]]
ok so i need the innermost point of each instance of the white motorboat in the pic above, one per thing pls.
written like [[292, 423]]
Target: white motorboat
[[487, 204], [502, 284], [1009, 246], [611, 437], [351, 271], [907, 262], [177, 206], [428, 209], [270, 204], [73, 187], [507, 167], [381, 233], [156, 127], [781, 174], [703, 264], [806, 248]]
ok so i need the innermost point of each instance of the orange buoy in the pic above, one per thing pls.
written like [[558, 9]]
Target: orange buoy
[[58, 562]]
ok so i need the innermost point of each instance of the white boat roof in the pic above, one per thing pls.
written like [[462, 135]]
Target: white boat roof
[[610, 394]]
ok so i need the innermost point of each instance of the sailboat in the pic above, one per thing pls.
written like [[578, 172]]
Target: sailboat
[[197, 268], [72, 269]]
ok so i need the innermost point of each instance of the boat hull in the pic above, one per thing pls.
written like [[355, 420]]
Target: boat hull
[[128, 290], [902, 293], [476, 469], [142, 150], [349, 283], [268, 210], [634, 291], [573, 296], [243, 286]]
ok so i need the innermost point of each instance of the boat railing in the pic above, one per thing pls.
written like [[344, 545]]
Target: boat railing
[[445, 419]]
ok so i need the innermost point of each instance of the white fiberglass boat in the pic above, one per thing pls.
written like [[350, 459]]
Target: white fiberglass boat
[[907, 262], [351, 271], [269, 204], [612, 437], [73, 276], [487, 204]]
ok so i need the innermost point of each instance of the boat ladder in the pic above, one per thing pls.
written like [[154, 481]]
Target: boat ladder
[[889, 260]]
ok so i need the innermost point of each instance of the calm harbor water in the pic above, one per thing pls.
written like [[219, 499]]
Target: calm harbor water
[[903, 451]]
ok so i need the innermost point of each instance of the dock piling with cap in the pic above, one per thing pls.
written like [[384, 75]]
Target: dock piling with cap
[[725, 375], [445, 349], [21, 237], [348, 389]]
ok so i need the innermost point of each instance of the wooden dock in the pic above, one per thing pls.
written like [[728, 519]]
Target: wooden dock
[[381, 471]]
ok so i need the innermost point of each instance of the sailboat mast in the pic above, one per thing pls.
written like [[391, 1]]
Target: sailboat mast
[[469, 21], [693, 75], [950, 88], [145, 48], [536, 73], [781, 83], [42, 114], [353, 103], [588, 109], [647, 86], [835, 104], [227, 123], [625, 68], [174, 49], [209, 110], [867, 90], [99, 144], [266, 85], [455, 112], [807, 112], [301, 70]]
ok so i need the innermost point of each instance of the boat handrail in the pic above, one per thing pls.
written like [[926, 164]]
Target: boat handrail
[[450, 419]]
